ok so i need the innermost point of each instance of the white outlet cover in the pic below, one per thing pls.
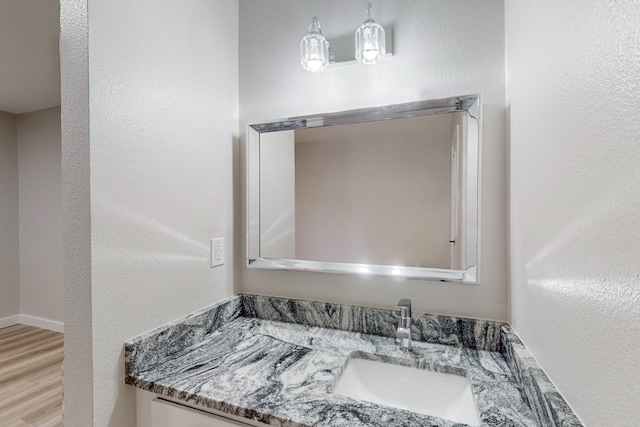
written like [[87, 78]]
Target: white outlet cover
[[217, 251]]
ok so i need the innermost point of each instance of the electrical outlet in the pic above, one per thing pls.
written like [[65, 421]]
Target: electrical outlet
[[217, 251]]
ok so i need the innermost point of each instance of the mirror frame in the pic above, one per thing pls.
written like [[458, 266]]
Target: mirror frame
[[471, 104]]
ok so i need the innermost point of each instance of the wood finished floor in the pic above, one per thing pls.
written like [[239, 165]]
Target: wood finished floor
[[30, 377]]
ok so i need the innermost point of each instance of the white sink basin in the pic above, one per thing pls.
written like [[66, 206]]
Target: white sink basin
[[441, 395]]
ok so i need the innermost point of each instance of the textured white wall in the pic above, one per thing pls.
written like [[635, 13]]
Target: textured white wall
[[9, 243], [162, 126], [573, 83], [40, 190], [441, 49], [163, 120], [76, 214]]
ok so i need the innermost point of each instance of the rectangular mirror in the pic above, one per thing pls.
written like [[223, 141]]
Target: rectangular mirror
[[390, 191]]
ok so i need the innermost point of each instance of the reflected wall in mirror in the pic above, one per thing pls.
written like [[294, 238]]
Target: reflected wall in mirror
[[387, 191]]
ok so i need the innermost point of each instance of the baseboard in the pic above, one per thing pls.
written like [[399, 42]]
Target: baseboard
[[39, 322], [9, 321]]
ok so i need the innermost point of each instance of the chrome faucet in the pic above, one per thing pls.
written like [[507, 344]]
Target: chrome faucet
[[403, 333]]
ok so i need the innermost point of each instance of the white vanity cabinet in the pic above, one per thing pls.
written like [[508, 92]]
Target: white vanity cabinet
[[155, 411], [169, 414]]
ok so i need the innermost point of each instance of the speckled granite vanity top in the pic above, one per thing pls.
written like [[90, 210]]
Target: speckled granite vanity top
[[245, 357]]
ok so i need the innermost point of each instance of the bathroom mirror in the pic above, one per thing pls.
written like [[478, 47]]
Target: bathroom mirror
[[390, 191]]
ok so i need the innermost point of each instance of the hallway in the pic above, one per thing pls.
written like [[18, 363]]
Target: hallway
[[30, 377]]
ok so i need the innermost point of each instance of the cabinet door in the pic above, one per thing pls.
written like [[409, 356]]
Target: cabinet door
[[168, 414]]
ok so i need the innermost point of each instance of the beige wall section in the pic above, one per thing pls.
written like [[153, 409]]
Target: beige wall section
[[441, 49], [573, 84], [40, 215], [277, 195], [163, 81], [9, 222], [375, 193]]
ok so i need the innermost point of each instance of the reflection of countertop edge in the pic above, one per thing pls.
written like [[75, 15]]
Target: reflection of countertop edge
[[205, 357], [441, 274]]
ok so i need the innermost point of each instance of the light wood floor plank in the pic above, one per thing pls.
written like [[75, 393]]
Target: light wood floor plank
[[23, 332], [53, 422], [26, 408], [31, 365], [26, 349], [46, 374], [19, 423], [45, 410], [30, 377], [29, 392], [10, 388]]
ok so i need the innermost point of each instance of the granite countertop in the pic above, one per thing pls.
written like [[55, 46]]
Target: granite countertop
[[283, 373]]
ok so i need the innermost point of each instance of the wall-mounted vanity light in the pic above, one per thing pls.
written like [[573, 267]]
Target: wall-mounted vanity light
[[370, 45], [314, 48]]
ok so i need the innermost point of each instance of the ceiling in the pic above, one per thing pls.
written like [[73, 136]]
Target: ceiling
[[29, 58]]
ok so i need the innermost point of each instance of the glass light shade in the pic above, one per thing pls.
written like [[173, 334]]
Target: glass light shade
[[314, 49], [370, 40]]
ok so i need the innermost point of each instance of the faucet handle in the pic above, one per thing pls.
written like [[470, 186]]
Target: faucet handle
[[405, 307]]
